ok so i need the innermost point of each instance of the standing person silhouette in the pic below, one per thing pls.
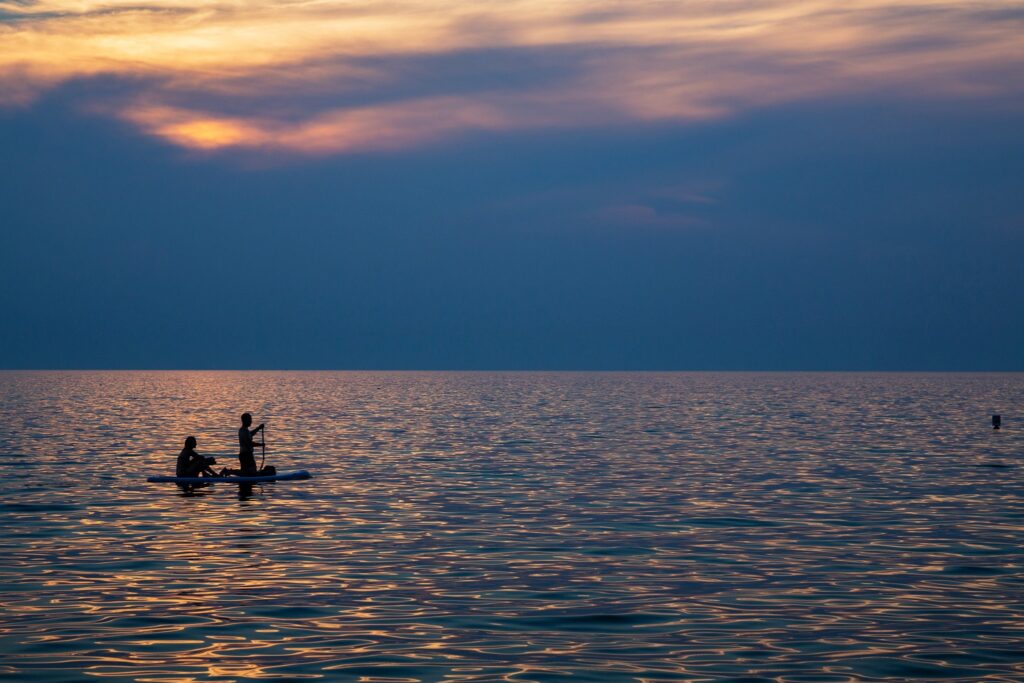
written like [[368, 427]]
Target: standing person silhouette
[[246, 448]]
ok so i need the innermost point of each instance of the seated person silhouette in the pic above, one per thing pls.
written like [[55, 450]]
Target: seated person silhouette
[[191, 464]]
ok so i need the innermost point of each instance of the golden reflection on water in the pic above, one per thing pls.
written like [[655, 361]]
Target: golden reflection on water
[[518, 527]]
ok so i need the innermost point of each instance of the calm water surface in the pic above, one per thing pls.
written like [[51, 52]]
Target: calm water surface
[[524, 527]]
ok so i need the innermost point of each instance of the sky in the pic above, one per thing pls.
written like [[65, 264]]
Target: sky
[[524, 184]]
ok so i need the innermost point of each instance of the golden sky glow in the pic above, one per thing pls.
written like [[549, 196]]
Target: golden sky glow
[[330, 76]]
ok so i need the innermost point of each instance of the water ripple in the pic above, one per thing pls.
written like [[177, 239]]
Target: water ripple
[[515, 527]]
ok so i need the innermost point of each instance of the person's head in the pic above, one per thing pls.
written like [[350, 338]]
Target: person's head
[[190, 442], [246, 419]]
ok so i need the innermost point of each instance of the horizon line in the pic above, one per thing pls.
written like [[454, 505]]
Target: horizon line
[[536, 370]]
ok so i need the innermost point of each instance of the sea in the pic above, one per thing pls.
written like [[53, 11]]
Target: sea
[[515, 527]]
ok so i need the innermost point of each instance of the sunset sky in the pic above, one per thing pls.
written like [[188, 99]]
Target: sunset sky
[[749, 184]]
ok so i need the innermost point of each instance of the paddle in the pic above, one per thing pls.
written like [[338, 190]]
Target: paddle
[[264, 458]]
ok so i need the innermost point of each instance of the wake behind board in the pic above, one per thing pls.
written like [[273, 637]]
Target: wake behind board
[[288, 476]]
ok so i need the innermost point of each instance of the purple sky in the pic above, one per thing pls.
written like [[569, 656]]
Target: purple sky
[[525, 184]]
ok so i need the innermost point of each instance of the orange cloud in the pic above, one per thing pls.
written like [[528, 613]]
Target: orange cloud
[[345, 130], [332, 76]]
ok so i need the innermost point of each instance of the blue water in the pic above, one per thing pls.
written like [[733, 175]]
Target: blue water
[[516, 527]]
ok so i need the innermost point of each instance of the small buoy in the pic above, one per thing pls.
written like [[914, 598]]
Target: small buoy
[[997, 421]]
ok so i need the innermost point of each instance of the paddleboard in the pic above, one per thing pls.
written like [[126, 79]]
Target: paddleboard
[[287, 476]]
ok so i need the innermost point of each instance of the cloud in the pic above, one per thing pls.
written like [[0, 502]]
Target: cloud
[[674, 206], [343, 130], [642, 215], [333, 76]]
